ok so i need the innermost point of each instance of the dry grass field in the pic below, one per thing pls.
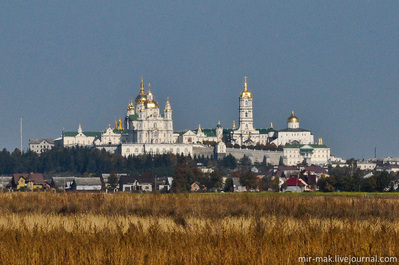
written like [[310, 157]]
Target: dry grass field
[[50, 228]]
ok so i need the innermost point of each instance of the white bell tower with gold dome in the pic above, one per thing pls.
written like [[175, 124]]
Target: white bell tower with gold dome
[[246, 134]]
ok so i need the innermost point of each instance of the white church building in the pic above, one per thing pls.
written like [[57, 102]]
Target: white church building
[[149, 130]]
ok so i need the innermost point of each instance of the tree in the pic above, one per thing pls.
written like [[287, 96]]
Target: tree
[[270, 184], [249, 180], [228, 185], [383, 180], [215, 179], [245, 163], [229, 162], [186, 172], [326, 184], [112, 182]]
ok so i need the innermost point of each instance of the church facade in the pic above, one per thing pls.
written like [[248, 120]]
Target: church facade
[[148, 129], [246, 134]]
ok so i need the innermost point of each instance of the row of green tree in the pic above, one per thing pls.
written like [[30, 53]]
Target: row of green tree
[[352, 178], [82, 160]]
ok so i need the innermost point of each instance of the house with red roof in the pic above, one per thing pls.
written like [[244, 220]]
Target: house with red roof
[[295, 184], [28, 181]]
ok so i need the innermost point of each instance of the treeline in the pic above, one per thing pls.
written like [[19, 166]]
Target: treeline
[[352, 178], [81, 160]]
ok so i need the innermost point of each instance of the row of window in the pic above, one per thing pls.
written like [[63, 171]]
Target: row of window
[[157, 151]]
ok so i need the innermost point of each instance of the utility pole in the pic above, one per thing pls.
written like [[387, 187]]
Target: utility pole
[[21, 132]]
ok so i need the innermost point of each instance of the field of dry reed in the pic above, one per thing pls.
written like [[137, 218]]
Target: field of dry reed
[[72, 228]]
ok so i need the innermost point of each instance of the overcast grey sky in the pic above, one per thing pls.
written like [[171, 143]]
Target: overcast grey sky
[[334, 62]]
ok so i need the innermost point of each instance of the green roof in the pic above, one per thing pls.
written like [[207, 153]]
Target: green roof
[[73, 134], [301, 145], [209, 132], [266, 131], [133, 117], [121, 131], [307, 149], [294, 130]]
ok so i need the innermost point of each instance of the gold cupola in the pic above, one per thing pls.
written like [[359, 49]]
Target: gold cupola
[[141, 97], [150, 103], [245, 93], [292, 118], [130, 106]]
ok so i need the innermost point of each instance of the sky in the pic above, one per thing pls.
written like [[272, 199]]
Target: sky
[[336, 63]]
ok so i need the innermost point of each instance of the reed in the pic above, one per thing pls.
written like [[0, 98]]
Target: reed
[[82, 228]]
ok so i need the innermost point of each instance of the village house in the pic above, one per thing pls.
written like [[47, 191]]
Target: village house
[[195, 186], [87, 184], [295, 184], [62, 183], [142, 183], [163, 184], [105, 181], [28, 181], [237, 185], [4, 180]]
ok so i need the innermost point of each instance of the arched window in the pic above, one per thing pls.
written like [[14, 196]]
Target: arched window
[[246, 114]]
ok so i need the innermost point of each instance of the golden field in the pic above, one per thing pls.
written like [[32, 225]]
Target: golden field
[[82, 228]]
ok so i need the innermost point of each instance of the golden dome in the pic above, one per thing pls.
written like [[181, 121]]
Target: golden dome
[[141, 97], [151, 104], [245, 93], [292, 118], [130, 106]]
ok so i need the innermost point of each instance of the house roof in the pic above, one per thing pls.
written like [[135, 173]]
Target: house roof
[[266, 131], [310, 180], [294, 130], [36, 178], [61, 181], [145, 178], [90, 134], [305, 145], [133, 117], [316, 169], [292, 181], [121, 131], [5, 180], [40, 140], [87, 181]]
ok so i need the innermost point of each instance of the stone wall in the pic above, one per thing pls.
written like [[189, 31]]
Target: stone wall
[[272, 157]]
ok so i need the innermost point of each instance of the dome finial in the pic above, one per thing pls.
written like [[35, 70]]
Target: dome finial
[[245, 93], [142, 84], [292, 118]]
